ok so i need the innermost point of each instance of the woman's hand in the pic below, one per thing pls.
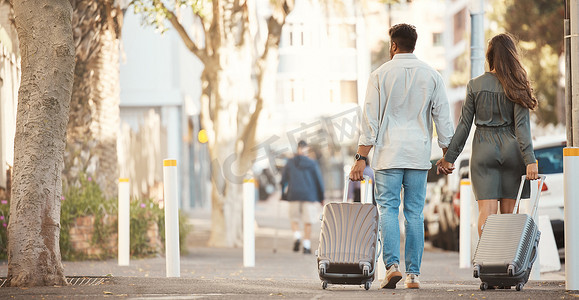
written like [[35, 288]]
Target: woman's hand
[[444, 167], [532, 171]]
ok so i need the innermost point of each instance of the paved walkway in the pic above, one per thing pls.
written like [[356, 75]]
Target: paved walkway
[[217, 273]]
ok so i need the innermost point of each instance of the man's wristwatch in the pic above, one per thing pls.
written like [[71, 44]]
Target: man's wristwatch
[[360, 157]]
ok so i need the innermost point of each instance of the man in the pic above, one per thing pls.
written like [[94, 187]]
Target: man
[[305, 192], [403, 98]]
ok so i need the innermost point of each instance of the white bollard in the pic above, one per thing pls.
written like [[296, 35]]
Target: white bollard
[[170, 181], [548, 252], [124, 221], [380, 267], [367, 191], [363, 190], [473, 225], [248, 223], [570, 177], [465, 251]]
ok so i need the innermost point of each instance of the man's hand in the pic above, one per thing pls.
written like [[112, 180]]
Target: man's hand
[[532, 171], [444, 167], [357, 171]]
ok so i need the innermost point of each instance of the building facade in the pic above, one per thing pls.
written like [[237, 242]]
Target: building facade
[[159, 109], [9, 84], [443, 28]]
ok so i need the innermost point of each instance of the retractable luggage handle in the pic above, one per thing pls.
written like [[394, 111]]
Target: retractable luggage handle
[[366, 195], [536, 202], [346, 185]]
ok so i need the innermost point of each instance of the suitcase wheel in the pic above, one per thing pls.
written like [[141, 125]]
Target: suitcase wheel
[[519, 286], [484, 286], [324, 284], [367, 285]]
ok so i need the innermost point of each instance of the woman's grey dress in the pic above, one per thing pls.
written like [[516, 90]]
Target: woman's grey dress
[[501, 146]]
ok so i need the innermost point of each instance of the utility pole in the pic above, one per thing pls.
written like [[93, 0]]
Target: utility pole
[[574, 89], [571, 152], [477, 68], [568, 80], [477, 56]]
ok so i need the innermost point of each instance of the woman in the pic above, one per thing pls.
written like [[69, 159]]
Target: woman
[[502, 150]]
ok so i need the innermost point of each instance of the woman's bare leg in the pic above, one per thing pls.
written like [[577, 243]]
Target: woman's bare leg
[[485, 208], [507, 205]]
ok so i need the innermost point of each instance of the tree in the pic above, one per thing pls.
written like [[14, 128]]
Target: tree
[[234, 62], [94, 110], [47, 51], [538, 24]]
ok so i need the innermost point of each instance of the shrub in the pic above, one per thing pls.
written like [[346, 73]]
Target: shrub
[[4, 216], [86, 199]]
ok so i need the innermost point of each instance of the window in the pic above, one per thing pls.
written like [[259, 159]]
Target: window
[[437, 39], [296, 91], [459, 25], [296, 34], [343, 35], [550, 160], [349, 91], [334, 91]]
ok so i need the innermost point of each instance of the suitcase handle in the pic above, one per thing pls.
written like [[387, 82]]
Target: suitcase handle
[[347, 184], [536, 202]]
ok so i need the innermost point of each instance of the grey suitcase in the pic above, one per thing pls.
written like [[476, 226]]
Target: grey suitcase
[[508, 247], [347, 251]]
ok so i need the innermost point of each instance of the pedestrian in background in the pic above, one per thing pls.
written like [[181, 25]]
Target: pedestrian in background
[[502, 149], [403, 98], [303, 187]]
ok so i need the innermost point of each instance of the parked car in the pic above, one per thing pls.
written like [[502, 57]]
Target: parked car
[[441, 209], [549, 155]]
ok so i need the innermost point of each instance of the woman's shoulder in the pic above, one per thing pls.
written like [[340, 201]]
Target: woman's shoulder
[[487, 82]]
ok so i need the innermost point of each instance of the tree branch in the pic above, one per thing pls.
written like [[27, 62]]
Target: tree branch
[[243, 20], [274, 25], [216, 28], [249, 132], [189, 43], [203, 20]]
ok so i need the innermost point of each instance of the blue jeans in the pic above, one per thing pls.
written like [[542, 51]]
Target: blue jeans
[[388, 186]]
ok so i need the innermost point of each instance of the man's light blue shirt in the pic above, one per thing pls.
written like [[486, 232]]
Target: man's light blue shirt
[[403, 98]]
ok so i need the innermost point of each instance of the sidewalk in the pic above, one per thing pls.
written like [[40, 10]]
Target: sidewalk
[[218, 273]]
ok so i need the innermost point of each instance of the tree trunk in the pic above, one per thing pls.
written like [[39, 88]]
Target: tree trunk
[[94, 117], [43, 106], [230, 109], [227, 94]]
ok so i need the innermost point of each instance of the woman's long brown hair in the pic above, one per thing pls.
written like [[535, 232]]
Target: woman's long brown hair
[[503, 58]]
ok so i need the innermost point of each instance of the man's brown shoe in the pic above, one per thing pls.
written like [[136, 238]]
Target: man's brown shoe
[[412, 281], [393, 275]]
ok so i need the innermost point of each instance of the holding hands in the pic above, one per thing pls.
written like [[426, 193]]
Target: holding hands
[[444, 167]]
